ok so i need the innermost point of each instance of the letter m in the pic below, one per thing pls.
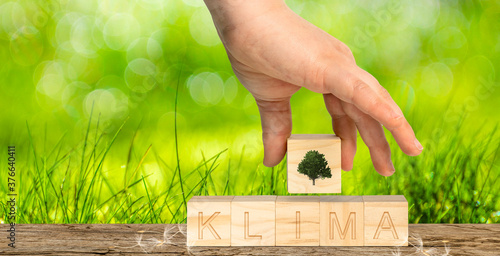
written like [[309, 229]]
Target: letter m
[[350, 224]]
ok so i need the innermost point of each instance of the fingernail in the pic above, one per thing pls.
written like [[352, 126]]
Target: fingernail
[[392, 170], [418, 145]]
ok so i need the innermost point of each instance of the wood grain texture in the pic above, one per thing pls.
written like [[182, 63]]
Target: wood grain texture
[[297, 221], [209, 221], [342, 222], [386, 220], [170, 239], [297, 146], [253, 221]]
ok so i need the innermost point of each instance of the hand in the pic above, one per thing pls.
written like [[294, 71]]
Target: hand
[[274, 52]]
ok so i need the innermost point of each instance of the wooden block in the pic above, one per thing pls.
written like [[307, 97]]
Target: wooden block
[[327, 144], [209, 221], [297, 221], [253, 221], [341, 219], [386, 220]]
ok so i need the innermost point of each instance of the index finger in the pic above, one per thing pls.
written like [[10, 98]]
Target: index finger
[[359, 88]]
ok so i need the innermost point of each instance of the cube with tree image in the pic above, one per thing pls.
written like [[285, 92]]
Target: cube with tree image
[[313, 163]]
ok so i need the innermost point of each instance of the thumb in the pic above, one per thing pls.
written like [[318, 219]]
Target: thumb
[[276, 120]]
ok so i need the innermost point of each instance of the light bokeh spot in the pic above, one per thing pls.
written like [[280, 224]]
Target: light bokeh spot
[[81, 36], [425, 13], [230, 89], [50, 80], [110, 7], [202, 28], [140, 75], [120, 30], [12, 18], [194, 3], [51, 85], [436, 79], [146, 48], [152, 5], [63, 29], [26, 46], [109, 103], [206, 88], [404, 48], [73, 96], [450, 45]]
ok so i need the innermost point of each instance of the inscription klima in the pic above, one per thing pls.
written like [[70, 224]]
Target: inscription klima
[[298, 221], [385, 224]]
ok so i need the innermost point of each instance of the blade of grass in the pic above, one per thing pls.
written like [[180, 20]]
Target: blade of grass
[[151, 210], [176, 137], [101, 162]]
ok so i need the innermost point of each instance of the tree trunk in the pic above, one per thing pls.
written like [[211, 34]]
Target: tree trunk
[[314, 182]]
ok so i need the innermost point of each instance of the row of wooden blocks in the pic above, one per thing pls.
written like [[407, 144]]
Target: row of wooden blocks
[[297, 221]]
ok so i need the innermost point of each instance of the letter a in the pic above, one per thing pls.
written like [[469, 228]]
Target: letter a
[[382, 227], [202, 225]]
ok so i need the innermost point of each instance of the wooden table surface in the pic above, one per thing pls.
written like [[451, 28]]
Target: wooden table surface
[[143, 239]]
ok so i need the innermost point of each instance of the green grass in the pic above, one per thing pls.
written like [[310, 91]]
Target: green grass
[[453, 181]]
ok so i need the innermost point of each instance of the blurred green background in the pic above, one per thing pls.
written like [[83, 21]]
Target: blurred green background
[[89, 88]]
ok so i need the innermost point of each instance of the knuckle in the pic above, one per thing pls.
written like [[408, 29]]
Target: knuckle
[[315, 77], [353, 113], [346, 51], [338, 116], [380, 145], [276, 117], [384, 92], [277, 128], [373, 102], [359, 87], [279, 105], [396, 122]]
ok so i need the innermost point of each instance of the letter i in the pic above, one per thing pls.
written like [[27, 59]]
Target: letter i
[[297, 224]]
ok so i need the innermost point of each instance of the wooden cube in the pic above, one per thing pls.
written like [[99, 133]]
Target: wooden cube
[[209, 221], [326, 144], [386, 220], [341, 219], [253, 221], [297, 221]]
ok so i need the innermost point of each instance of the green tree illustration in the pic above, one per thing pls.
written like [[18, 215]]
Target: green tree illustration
[[315, 166]]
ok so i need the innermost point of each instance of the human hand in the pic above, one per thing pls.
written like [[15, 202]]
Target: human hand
[[274, 52]]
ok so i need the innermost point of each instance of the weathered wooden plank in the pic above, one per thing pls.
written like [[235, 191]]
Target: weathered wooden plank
[[142, 239]]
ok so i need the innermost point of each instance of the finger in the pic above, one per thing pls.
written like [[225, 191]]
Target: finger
[[373, 135], [403, 134], [276, 121], [344, 127], [356, 86]]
